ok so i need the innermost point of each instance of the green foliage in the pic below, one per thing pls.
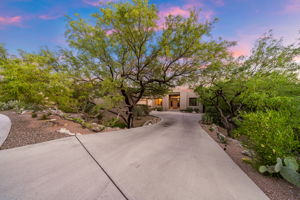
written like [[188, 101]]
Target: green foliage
[[33, 79], [287, 169], [141, 110], [115, 122], [222, 138], [189, 109], [265, 80], [34, 115], [44, 117], [13, 104], [207, 118], [269, 134], [160, 108], [124, 57]]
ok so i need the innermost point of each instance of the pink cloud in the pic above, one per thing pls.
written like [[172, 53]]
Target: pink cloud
[[10, 20], [97, 2], [174, 10], [49, 17], [291, 6], [184, 11]]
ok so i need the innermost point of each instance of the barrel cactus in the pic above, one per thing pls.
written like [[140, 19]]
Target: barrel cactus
[[287, 169]]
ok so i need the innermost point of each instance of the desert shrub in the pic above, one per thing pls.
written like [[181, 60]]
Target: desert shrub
[[141, 110], [44, 117], [159, 109], [34, 115], [13, 105], [189, 109], [269, 134], [115, 122], [207, 119], [197, 110], [33, 79]]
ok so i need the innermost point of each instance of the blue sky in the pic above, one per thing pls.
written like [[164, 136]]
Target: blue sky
[[31, 24]]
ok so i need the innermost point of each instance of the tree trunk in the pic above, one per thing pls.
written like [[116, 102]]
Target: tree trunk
[[130, 117], [226, 121]]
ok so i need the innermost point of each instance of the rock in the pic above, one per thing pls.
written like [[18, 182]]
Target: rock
[[109, 129], [147, 123], [23, 112], [97, 127], [222, 138], [65, 131], [248, 153], [214, 126], [57, 112]]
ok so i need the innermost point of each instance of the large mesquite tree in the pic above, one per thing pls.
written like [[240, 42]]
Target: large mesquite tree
[[126, 53], [264, 80]]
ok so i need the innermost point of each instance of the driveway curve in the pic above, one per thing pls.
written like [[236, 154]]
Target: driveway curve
[[172, 160], [5, 125]]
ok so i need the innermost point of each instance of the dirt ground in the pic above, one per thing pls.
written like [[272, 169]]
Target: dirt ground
[[275, 188], [26, 130]]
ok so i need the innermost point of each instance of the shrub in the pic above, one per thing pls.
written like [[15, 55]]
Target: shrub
[[197, 110], [269, 134], [34, 115], [189, 109], [44, 117], [141, 110], [207, 119], [159, 108], [9, 105], [115, 122]]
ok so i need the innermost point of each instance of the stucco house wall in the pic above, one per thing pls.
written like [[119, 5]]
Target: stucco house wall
[[184, 93]]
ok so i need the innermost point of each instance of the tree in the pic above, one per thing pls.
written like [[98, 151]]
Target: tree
[[126, 54], [249, 84], [33, 79]]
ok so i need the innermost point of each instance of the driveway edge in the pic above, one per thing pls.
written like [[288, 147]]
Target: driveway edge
[[5, 126]]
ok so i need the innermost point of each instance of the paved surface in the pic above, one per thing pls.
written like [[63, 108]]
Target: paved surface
[[172, 160], [5, 125]]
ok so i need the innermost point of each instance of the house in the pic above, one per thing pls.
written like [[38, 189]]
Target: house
[[181, 98]]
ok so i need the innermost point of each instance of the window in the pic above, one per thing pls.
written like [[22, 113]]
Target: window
[[158, 102], [193, 102]]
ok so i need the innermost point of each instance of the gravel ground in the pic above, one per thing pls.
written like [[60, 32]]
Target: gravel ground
[[26, 130], [274, 188]]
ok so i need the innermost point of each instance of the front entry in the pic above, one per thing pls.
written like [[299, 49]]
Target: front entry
[[174, 102]]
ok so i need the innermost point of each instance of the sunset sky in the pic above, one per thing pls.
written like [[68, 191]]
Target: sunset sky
[[31, 24]]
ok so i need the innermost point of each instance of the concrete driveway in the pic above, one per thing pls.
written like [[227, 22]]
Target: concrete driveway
[[5, 125], [172, 160]]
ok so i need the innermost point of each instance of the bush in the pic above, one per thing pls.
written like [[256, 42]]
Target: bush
[[34, 115], [44, 117], [189, 109], [14, 104], [197, 110], [159, 109], [207, 119], [141, 110], [115, 122], [269, 134]]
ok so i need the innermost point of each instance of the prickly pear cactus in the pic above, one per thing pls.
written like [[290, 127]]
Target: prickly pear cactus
[[291, 163], [290, 175], [278, 165], [287, 169]]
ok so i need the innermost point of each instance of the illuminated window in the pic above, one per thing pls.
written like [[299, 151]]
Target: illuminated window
[[192, 101], [158, 102]]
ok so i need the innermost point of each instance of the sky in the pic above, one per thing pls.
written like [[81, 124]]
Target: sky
[[32, 24]]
